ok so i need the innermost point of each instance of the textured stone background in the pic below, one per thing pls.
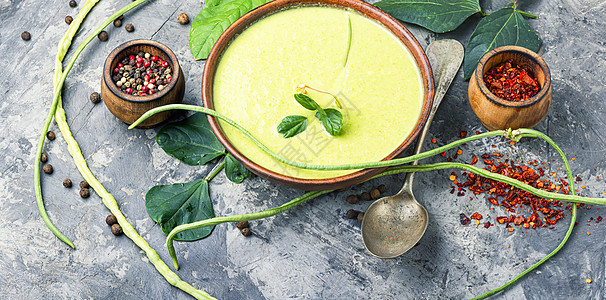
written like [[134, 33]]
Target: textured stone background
[[312, 251]]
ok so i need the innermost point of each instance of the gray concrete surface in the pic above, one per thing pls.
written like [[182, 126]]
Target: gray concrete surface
[[312, 251]]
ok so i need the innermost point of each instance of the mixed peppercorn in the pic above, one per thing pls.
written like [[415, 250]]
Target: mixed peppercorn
[[142, 75], [511, 82]]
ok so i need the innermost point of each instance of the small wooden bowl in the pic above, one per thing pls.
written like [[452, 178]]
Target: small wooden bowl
[[496, 113], [129, 108], [360, 7]]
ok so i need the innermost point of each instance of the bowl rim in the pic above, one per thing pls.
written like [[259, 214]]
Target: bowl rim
[[480, 69], [125, 47], [363, 9]]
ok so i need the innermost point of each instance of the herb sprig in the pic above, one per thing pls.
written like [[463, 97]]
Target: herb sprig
[[331, 119]]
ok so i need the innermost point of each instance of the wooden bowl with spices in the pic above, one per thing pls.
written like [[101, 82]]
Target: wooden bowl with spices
[[510, 88], [140, 75]]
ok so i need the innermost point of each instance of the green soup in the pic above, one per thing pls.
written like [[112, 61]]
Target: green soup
[[377, 82]]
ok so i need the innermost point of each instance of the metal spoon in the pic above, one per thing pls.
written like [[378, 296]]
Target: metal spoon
[[393, 225]]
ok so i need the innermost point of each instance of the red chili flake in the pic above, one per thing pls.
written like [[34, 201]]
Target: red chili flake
[[488, 224], [476, 216], [514, 199], [579, 178], [464, 219], [511, 82], [474, 160], [463, 133], [443, 153], [599, 219]]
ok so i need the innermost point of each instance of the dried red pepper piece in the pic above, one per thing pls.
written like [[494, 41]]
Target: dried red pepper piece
[[476, 216], [511, 82]]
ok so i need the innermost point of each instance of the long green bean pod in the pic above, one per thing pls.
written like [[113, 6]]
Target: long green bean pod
[[74, 150], [512, 134], [62, 49]]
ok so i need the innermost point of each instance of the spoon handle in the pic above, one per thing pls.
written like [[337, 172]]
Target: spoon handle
[[445, 58]]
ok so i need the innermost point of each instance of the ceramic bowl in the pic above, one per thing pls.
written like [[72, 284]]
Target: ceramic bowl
[[129, 108], [496, 113], [362, 8]]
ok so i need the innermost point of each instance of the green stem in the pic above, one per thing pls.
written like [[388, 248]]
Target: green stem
[[568, 232], [216, 169], [108, 199], [379, 164], [528, 15], [235, 218]]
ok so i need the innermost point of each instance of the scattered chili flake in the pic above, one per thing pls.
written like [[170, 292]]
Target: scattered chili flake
[[510, 229], [587, 280], [452, 177], [474, 160], [599, 219], [511, 82], [588, 233], [434, 141], [512, 143], [443, 153], [464, 219], [459, 152], [462, 133], [476, 216], [488, 224]]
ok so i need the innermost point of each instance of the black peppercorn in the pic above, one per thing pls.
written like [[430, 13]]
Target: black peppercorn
[[352, 199], [242, 225], [26, 36], [117, 22], [366, 196], [67, 183], [375, 194], [103, 36], [68, 20], [95, 97], [382, 188], [84, 184], [351, 214], [111, 220], [48, 169], [183, 19], [246, 232], [84, 193], [72, 3], [121, 17], [360, 217], [129, 27], [43, 157], [50, 135], [117, 229]]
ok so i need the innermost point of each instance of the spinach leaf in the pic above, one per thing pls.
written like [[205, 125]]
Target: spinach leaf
[[307, 102], [332, 120], [503, 27], [181, 203], [213, 20], [292, 125], [234, 170], [190, 141], [436, 15]]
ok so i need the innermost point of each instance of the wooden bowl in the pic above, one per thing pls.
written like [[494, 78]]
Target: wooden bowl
[[363, 9], [129, 108], [496, 113]]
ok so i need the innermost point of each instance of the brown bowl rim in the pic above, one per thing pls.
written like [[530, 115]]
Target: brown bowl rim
[[360, 7], [140, 99], [480, 69]]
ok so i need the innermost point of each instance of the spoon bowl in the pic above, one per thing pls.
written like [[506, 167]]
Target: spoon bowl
[[393, 225]]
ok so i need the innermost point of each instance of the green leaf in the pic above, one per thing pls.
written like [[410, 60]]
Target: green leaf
[[178, 204], [436, 15], [332, 120], [234, 170], [501, 28], [213, 20], [306, 102], [190, 141], [292, 125]]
